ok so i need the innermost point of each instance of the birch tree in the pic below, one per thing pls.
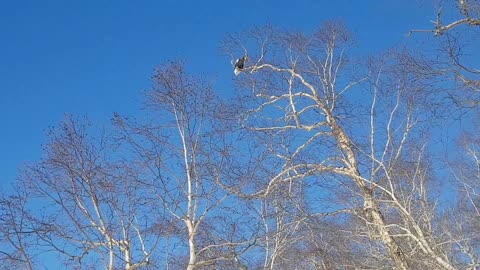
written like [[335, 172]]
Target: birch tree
[[16, 232], [185, 156], [456, 27], [88, 208], [323, 118]]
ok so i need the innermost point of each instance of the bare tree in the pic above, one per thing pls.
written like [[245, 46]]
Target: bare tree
[[469, 15], [459, 41], [88, 208], [15, 231], [186, 157], [309, 105], [463, 220]]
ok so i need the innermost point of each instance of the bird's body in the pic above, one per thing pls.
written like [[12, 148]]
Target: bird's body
[[239, 65]]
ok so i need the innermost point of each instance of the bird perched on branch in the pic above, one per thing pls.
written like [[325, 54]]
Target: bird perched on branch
[[239, 65]]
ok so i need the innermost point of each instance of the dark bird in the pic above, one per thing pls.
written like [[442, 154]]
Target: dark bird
[[239, 65]]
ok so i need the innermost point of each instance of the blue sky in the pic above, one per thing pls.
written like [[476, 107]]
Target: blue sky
[[94, 58]]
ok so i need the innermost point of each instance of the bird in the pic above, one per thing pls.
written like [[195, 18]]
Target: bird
[[239, 65]]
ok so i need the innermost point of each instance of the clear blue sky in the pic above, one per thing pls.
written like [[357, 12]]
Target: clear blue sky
[[96, 57]]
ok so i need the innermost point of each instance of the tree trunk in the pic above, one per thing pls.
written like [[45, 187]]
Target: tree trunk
[[370, 204], [191, 245]]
